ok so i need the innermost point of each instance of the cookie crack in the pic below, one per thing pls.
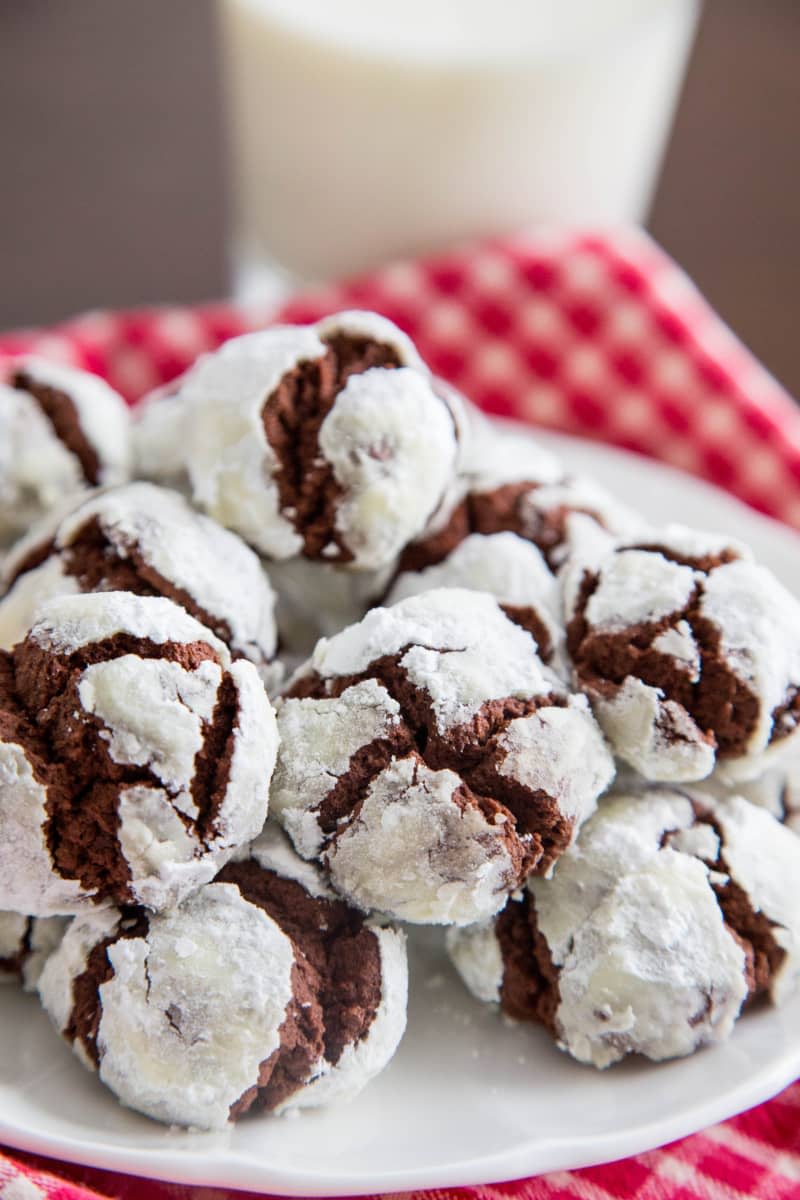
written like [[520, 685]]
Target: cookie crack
[[99, 564], [722, 706], [212, 764], [529, 990], [60, 410], [292, 417], [749, 926], [82, 787], [472, 750], [83, 1023]]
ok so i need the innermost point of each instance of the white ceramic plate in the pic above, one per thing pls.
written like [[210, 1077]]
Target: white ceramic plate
[[468, 1098]]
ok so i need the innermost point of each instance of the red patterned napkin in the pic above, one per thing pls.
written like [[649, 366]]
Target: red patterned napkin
[[598, 334]]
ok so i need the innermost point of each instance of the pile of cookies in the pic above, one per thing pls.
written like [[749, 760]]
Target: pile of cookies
[[306, 650]]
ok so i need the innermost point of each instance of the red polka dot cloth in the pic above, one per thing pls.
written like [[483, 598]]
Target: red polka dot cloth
[[596, 334]]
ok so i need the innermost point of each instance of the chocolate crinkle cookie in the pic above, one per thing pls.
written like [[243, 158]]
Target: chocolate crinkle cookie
[[671, 911], [61, 430], [431, 761], [689, 652], [507, 483], [512, 570], [262, 991], [25, 945], [134, 757], [145, 539], [326, 441]]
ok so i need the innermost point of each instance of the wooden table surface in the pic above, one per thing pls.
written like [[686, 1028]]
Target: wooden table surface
[[114, 183]]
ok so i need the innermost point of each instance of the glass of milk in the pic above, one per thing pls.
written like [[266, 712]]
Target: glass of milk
[[364, 130]]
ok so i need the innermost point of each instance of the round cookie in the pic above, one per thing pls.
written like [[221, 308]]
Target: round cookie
[[61, 429], [431, 761], [145, 539], [317, 599], [260, 992], [512, 570], [670, 911], [25, 945], [134, 758], [689, 652], [509, 484], [326, 441]]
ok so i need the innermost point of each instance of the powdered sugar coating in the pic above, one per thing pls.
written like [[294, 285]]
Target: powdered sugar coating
[[759, 624], [13, 930], [455, 644], [475, 953], [391, 444], [27, 880], [152, 718], [231, 463], [191, 1010], [364, 1058], [639, 587], [710, 674], [361, 1061], [670, 909], [414, 852], [383, 778], [68, 623], [152, 714], [560, 751], [273, 851], [500, 454], [777, 789], [255, 750], [615, 999], [39, 459], [20, 605], [388, 440], [154, 533], [25, 944], [36, 469], [320, 737], [56, 981], [103, 414], [655, 735], [197, 1006], [27, 484], [644, 960], [762, 856], [506, 483], [503, 564], [359, 323]]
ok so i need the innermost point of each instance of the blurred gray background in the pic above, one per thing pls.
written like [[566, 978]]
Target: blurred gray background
[[113, 188]]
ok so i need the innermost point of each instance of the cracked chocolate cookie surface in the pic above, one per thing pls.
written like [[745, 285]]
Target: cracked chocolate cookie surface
[[513, 571], [134, 757], [145, 539], [326, 441], [431, 761], [262, 991], [671, 911], [61, 430], [689, 652], [507, 483]]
